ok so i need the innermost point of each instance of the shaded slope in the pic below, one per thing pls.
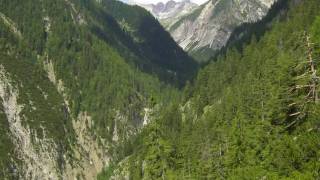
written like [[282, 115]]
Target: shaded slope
[[152, 48]]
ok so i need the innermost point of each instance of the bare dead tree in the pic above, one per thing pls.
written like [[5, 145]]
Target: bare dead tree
[[307, 83]]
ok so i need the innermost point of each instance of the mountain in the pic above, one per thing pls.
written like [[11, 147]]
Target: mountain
[[97, 89], [250, 114], [170, 12], [207, 28], [78, 79], [156, 51]]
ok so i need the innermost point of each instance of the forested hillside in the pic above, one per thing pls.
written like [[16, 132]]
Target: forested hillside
[[77, 82], [251, 114], [97, 86], [155, 50]]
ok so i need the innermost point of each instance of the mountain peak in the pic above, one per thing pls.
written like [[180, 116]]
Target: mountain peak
[[210, 26], [171, 9]]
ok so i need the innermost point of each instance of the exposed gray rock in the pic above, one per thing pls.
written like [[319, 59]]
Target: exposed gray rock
[[39, 158], [211, 25], [170, 12]]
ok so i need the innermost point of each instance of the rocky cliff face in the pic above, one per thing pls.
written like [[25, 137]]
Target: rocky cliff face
[[37, 163], [36, 151], [210, 25]]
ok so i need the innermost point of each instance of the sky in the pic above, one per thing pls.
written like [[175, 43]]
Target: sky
[[156, 1]]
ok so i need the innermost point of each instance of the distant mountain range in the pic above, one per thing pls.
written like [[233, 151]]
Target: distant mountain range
[[203, 30], [170, 12]]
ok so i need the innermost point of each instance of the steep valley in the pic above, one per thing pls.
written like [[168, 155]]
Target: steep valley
[[97, 89]]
